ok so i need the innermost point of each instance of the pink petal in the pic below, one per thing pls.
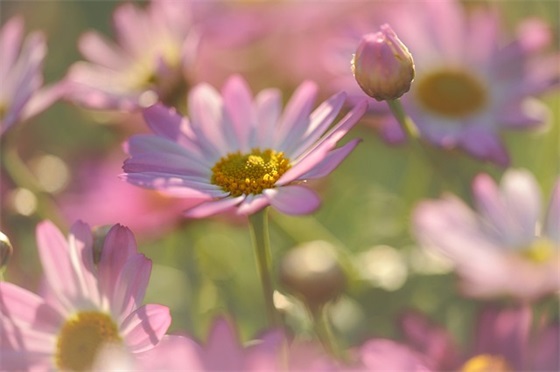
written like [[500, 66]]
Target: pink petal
[[294, 200], [131, 285], [269, 106], [212, 207], [386, 355], [26, 310], [485, 146], [80, 243], [252, 204], [10, 43], [331, 161], [43, 98], [24, 360], [145, 327], [320, 120], [119, 246], [238, 101], [166, 122], [97, 49], [173, 353], [223, 341], [296, 114]]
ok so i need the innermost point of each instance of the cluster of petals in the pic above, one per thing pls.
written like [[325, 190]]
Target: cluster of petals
[[503, 340], [178, 158], [22, 94], [506, 247], [154, 51], [486, 84], [75, 282]]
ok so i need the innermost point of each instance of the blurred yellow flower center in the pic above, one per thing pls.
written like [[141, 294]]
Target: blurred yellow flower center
[[451, 93], [540, 251], [251, 173], [486, 363], [81, 338]]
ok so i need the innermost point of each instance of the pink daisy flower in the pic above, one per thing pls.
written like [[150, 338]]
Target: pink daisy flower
[[21, 93], [505, 247], [153, 56], [503, 340], [239, 152], [88, 303], [471, 82]]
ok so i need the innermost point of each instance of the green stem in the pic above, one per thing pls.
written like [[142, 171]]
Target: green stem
[[406, 123], [323, 331], [258, 224]]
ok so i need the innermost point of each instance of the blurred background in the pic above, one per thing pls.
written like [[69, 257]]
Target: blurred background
[[205, 267]]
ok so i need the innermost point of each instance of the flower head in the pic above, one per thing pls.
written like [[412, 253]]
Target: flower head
[[154, 54], [382, 65], [469, 85], [240, 152], [504, 248], [21, 76], [87, 304]]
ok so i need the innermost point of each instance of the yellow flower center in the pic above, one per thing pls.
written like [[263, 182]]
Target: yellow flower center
[[541, 250], [486, 363], [81, 338], [451, 93], [251, 173]]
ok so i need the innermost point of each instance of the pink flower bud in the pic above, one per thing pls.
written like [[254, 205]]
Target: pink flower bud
[[382, 65]]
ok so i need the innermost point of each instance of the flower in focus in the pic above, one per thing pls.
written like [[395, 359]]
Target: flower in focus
[[87, 304], [469, 85], [504, 248], [382, 65], [153, 57], [222, 351], [502, 341], [21, 79], [239, 152]]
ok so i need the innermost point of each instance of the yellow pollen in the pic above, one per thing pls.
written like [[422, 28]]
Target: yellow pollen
[[486, 363], [541, 250], [81, 338], [451, 93], [239, 173]]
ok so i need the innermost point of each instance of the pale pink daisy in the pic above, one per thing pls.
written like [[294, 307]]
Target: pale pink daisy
[[239, 152], [89, 301], [151, 60], [22, 94], [473, 81], [506, 246]]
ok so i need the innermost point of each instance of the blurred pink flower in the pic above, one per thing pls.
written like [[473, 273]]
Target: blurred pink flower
[[21, 77], [153, 58], [469, 86], [87, 303], [502, 341], [100, 196], [222, 351], [504, 248], [239, 152], [378, 355]]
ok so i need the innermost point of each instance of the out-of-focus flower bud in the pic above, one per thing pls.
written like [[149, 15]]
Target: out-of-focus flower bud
[[6, 250], [382, 65], [313, 273]]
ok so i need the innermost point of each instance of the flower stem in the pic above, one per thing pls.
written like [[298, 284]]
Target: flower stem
[[323, 331], [261, 242], [406, 123]]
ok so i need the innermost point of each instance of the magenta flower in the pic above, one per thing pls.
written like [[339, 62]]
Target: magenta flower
[[502, 341], [87, 303], [241, 153], [22, 95], [469, 87], [153, 57], [504, 248]]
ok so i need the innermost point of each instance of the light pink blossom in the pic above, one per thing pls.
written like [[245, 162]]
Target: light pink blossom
[[239, 152], [22, 94], [87, 302], [506, 246]]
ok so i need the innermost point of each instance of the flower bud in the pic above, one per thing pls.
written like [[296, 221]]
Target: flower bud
[[6, 250], [382, 65], [313, 273]]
